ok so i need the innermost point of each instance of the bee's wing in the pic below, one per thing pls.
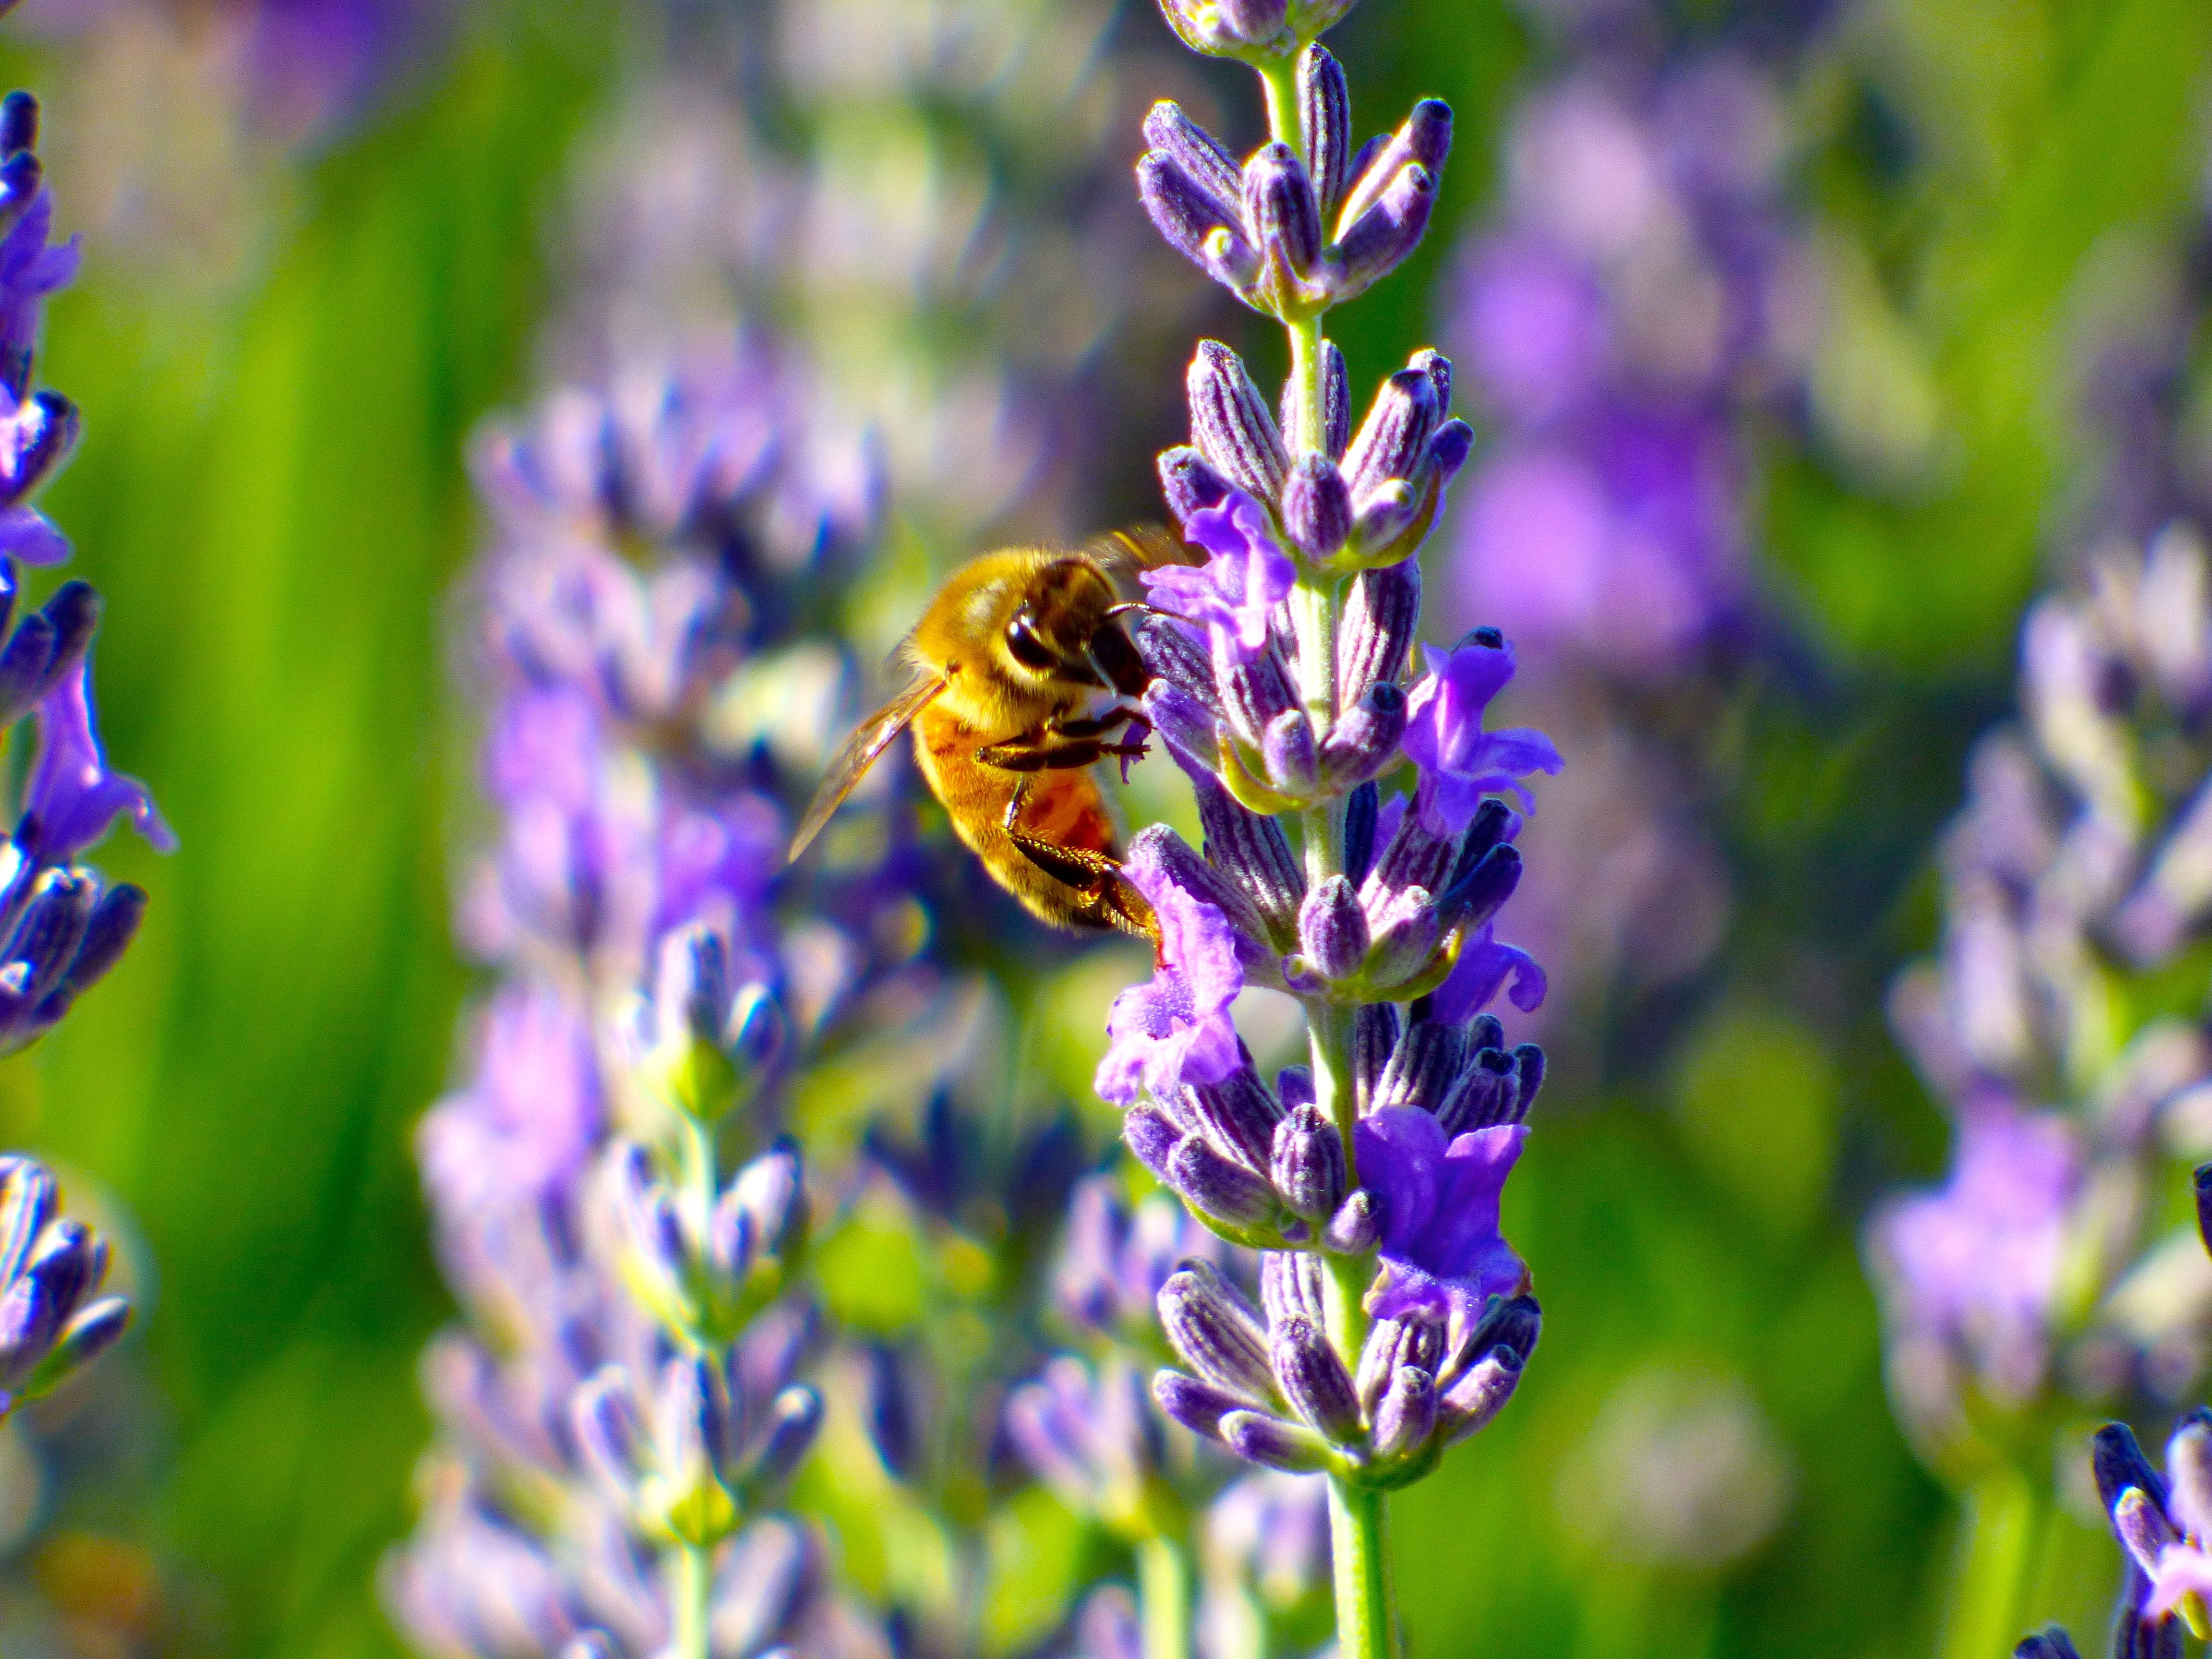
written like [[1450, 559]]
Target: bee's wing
[[1140, 547], [869, 739]]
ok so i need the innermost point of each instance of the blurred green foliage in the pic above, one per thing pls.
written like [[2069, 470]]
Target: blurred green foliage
[[271, 496]]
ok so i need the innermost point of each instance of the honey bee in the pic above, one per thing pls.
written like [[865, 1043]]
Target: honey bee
[[1004, 664]]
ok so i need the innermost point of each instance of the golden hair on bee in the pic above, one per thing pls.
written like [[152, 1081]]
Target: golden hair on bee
[[1003, 667]]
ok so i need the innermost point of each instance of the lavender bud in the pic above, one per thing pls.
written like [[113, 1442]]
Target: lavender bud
[[1316, 507], [2119, 1463], [1214, 1328], [1294, 1087], [1186, 869], [1484, 1031], [1513, 1323], [1280, 210], [1290, 755], [771, 1190], [2052, 1644], [1374, 1034], [1336, 402], [19, 124], [1382, 612], [2189, 1473], [887, 1408], [1395, 434], [1198, 225], [1480, 1394], [1324, 122], [1406, 939], [1191, 730], [1189, 482], [1275, 1442], [1407, 1415], [1231, 424], [1291, 1287], [1393, 1344], [609, 1433], [1449, 449], [2203, 1181], [1150, 1136], [1485, 1095], [1366, 739], [1239, 1117], [1425, 139], [794, 1420], [1423, 1067], [1194, 150], [1198, 1405], [1385, 525], [1357, 1226], [1313, 1380], [1384, 237], [1219, 1188], [1413, 859], [1227, 29], [2141, 1528], [94, 1330], [1254, 695], [1528, 1069], [1333, 930], [1308, 1166], [1475, 897], [1253, 851]]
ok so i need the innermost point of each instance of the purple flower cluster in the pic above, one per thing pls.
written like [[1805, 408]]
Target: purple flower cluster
[[1392, 1318], [620, 1421]]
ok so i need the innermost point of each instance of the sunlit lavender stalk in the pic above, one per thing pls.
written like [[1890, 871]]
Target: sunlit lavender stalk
[[1394, 1318]]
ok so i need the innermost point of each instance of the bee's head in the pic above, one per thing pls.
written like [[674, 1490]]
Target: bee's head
[[1051, 620]]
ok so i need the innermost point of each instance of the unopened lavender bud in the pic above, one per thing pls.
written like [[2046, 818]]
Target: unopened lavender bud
[[1394, 1343], [86, 1336], [1282, 215], [1313, 1380], [772, 1191], [1239, 1117], [794, 1420], [1308, 1166], [1475, 897], [1382, 518], [1382, 613], [1406, 940], [1316, 507], [1514, 1322], [2052, 1644], [1194, 150], [1189, 481], [1365, 740], [888, 1407], [1357, 1226], [1394, 435], [1255, 694], [19, 124], [1289, 753], [1150, 1136], [1423, 1068], [1292, 1285], [1217, 1188], [2141, 1528], [1231, 424], [1424, 139], [609, 1433], [1199, 1406], [1253, 852], [1405, 1416], [1481, 1392], [1333, 930], [1374, 1034], [1324, 122], [1190, 729], [1362, 808], [1453, 442], [1485, 1095], [1384, 237], [1186, 868], [2203, 1184], [2189, 1472], [1227, 29], [2118, 1463], [1270, 1441], [1199, 225], [1294, 1087], [1216, 1331], [1529, 1070]]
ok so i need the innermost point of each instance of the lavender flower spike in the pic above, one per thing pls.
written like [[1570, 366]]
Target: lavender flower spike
[[52, 1322]]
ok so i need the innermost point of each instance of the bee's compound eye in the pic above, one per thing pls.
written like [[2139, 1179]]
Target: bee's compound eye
[[1027, 646]]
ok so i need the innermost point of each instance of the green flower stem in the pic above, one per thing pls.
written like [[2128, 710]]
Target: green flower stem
[[2003, 1527], [1366, 1625], [1279, 78], [694, 1601], [1163, 1599]]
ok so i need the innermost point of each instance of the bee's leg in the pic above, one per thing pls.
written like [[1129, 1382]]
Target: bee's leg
[[1041, 755], [1107, 899], [1140, 729]]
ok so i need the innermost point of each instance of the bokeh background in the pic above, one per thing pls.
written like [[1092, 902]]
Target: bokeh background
[[322, 242]]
